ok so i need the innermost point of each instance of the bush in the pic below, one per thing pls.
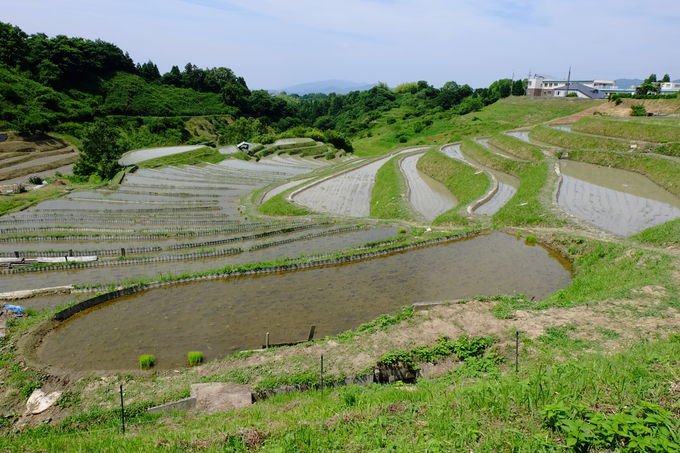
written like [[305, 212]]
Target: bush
[[194, 358], [638, 110], [37, 180], [571, 95], [147, 361]]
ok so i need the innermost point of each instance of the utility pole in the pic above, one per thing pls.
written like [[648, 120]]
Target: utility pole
[[568, 81]]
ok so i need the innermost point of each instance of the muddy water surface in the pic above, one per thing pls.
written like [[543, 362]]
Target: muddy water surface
[[428, 197], [218, 317], [617, 201]]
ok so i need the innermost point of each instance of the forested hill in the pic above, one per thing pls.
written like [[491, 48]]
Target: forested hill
[[64, 84]]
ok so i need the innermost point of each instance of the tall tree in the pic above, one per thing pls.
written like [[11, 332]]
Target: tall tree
[[666, 78], [102, 147]]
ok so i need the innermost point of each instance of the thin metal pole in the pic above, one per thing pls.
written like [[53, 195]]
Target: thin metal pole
[[267, 341], [516, 351], [122, 410], [321, 375]]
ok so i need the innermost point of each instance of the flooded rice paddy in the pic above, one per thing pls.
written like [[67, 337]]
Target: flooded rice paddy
[[221, 316], [617, 201], [428, 197]]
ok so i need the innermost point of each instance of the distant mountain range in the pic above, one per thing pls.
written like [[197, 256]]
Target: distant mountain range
[[326, 87]]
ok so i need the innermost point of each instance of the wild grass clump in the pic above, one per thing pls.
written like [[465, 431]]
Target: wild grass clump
[[147, 361], [530, 239], [194, 358]]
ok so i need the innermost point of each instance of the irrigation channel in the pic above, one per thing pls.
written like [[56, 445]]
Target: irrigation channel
[[222, 316], [617, 201]]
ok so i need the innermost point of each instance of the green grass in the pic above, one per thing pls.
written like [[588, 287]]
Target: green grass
[[662, 171], [571, 140], [194, 157], [147, 361], [278, 205], [487, 412], [409, 126], [464, 182], [525, 207], [516, 147], [9, 203], [665, 234], [194, 358], [388, 199], [632, 130]]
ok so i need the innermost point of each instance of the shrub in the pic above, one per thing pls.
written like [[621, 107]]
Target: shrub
[[37, 180], [194, 358], [146, 361], [638, 110], [530, 239], [572, 95]]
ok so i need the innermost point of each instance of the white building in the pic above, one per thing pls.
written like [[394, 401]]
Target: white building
[[539, 86]]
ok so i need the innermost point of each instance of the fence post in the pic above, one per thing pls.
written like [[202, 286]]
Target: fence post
[[321, 374], [517, 351], [122, 410]]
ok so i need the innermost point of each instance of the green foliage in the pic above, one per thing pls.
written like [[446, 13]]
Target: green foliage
[[102, 148], [571, 95], [669, 149], [194, 358], [530, 239], [643, 427], [147, 361], [378, 324], [387, 201], [638, 110]]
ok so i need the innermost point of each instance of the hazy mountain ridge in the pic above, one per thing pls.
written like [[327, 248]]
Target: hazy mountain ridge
[[326, 87]]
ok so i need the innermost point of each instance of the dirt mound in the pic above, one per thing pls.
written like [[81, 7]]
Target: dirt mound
[[657, 106]]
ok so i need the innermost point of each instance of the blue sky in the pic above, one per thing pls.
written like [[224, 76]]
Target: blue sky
[[274, 44]]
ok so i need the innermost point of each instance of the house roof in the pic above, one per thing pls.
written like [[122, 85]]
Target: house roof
[[592, 93]]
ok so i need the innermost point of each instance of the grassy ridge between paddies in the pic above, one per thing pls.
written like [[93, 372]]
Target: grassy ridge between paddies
[[466, 183], [525, 207], [9, 203], [571, 140], [194, 157], [516, 147], [479, 406], [388, 200], [409, 126], [664, 172], [649, 132], [665, 234]]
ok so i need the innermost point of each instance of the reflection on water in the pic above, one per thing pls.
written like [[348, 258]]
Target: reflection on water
[[218, 317]]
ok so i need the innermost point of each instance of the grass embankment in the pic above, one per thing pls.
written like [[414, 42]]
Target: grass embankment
[[410, 126], [194, 157], [662, 171], [632, 130], [516, 147], [464, 182], [13, 202], [388, 200], [665, 234], [571, 140], [278, 205], [525, 207], [473, 408]]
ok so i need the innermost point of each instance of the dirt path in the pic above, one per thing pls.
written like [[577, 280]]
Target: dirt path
[[428, 197]]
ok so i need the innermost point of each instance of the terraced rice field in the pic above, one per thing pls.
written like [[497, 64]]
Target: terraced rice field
[[428, 197]]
